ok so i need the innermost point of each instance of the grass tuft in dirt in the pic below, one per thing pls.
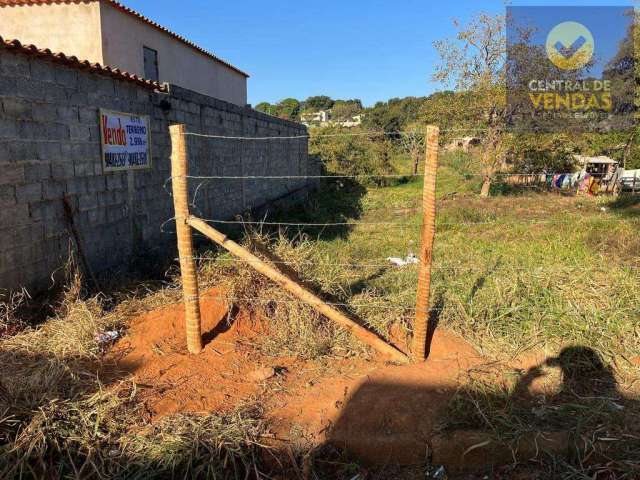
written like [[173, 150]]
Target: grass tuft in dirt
[[294, 328]]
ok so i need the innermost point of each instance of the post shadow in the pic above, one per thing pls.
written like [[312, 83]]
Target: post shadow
[[396, 423]]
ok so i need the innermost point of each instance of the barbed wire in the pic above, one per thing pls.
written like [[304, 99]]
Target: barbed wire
[[539, 176], [371, 133], [322, 302], [407, 225], [496, 222], [346, 305], [519, 268]]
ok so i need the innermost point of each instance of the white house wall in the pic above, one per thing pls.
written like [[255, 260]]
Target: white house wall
[[70, 28], [122, 44]]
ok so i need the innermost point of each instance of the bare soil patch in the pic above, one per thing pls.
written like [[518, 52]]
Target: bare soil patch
[[380, 412]]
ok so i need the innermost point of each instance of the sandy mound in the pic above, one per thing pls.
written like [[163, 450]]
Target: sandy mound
[[381, 412]]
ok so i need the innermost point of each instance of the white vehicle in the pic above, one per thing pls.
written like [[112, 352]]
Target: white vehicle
[[630, 181]]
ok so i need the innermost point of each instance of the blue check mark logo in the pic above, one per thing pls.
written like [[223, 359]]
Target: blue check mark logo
[[568, 52], [570, 45]]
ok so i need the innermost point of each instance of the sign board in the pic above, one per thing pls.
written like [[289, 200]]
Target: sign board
[[126, 141]]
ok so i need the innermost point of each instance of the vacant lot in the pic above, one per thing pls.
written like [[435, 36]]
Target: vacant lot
[[539, 291]]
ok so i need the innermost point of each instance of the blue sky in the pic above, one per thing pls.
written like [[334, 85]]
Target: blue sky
[[368, 49]]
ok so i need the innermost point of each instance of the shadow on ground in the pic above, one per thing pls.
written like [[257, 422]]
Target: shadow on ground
[[335, 201], [586, 423], [626, 206]]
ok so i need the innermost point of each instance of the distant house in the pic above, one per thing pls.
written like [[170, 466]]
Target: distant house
[[462, 143], [354, 121], [109, 33], [321, 117]]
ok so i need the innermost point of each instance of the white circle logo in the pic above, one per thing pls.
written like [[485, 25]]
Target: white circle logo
[[570, 45]]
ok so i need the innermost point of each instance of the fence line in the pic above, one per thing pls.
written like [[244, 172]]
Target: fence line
[[266, 267], [407, 225], [367, 175], [517, 268], [370, 133], [253, 300]]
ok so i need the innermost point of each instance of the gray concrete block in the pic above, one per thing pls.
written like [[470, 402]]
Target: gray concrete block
[[44, 211], [76, 186], [54, 228], [56, 144], [97, 184], [43, 71], [36, 171], [57, 131], [88, 201], [15, 65], [62, 170], [55, 94], [89, 115], [53, 189], [48, 151], [8, 85], [29, 193], [15, 215], [79, 133], [18, 108], [12, 174], [68, 114], [7, 195], [45, 112], [115, 181], [8, 128], [29, 88], [67, 77]]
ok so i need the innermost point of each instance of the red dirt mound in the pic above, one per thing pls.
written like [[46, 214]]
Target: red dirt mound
[[154, 351], [383, 413]]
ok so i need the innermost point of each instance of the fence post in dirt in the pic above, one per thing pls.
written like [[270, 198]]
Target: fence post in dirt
[[179, 172], [421, 323]]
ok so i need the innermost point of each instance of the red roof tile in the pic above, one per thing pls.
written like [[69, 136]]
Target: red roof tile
[[124, 8], [74, 62]]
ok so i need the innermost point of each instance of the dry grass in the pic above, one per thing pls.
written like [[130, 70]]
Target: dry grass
[[61, 417], [294, 327]]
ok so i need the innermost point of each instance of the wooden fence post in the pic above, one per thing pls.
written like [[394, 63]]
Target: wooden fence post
[[421, 323], [179, 172]]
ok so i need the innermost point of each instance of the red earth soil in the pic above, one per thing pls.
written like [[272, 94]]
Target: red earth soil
[[379, 411]]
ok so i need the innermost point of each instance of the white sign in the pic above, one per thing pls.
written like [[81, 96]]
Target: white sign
[[125, 141]]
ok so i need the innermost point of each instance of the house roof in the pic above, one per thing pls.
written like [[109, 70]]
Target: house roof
[[584, 159], [74, 62], [133, 13]]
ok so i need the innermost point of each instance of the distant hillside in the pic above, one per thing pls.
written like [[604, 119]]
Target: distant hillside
[[394, 114]]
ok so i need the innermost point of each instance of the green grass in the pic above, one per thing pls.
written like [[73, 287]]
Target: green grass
[[510, 272]]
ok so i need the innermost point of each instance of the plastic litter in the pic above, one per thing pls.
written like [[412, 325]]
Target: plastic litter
[[410, 259], [438, 473], [108, 336]]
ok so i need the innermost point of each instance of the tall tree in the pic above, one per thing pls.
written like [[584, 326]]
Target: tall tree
[[289, 109], [318, 102], [474, 62]]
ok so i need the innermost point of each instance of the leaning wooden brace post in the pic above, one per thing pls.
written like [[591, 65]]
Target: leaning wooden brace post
[[179, 172], [421, 324], [297, 290]]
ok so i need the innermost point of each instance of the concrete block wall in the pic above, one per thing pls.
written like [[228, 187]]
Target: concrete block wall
[[50, 148]]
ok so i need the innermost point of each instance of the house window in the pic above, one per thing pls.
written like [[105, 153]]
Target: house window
[[151, 64]]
